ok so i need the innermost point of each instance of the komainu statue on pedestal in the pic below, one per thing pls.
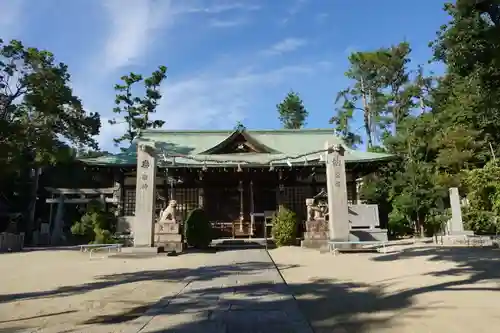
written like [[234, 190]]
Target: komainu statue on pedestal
[[167, 230], [168, 214], [316, 234], [317, 207]]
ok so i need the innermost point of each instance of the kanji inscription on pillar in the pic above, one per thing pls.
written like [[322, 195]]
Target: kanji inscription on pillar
[[145, 196], [338, 220]]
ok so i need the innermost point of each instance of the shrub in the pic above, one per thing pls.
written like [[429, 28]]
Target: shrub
[[284, 229], [197, 229], [398, 224], [479, 221], [96, 225]]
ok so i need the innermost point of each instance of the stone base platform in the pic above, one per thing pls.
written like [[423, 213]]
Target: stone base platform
[[146, 252], [367, 235], [357, 235], [460, 233]]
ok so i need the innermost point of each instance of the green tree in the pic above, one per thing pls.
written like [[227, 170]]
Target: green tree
[[38, 110], [483, 187], [137, 110], [292, 112], [39, 116], [379, 93], [457, 122], [469, 94]]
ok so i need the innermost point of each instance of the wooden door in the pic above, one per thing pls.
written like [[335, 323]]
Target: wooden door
[[264, 199], [223, 203]]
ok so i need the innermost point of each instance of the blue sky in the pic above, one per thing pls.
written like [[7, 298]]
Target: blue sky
[[227, 61]]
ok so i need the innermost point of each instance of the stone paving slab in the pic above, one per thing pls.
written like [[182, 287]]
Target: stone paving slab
[[243, 301]]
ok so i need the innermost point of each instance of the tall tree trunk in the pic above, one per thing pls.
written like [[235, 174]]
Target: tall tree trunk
[[366, 115], [32, 206]]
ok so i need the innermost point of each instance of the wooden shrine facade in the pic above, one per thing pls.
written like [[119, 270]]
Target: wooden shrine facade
[[231, 197], [237, 176]]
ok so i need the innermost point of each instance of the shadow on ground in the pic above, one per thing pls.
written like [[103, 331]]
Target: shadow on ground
[[473, 264], [328, 304], [206, 273]]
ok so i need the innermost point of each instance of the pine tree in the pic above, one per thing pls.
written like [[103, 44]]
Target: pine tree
[[292, 112]]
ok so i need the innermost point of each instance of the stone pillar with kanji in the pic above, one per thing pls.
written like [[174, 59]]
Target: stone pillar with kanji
[[338, 210], [145, 199]]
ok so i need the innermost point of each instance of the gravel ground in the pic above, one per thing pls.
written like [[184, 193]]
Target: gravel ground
[[421, 289], [65, 291], [224, 292]]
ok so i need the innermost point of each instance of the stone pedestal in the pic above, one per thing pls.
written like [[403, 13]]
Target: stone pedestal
[[316, 235], [167, 235], [167, 232]]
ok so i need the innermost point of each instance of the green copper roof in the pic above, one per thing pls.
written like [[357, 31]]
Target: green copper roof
[[283, 145]]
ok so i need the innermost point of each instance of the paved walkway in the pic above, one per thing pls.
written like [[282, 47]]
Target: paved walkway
[[250, 297]]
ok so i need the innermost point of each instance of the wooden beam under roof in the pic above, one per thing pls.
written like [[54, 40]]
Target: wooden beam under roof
[[66, 191]]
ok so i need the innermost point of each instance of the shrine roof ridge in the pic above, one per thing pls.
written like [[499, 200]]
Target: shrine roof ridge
[[250, 131], [196, 145]]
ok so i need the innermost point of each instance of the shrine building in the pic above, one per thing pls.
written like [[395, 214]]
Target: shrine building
[[238, 176]]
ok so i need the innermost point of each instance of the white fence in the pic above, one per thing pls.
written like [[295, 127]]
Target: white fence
[[11, 242]]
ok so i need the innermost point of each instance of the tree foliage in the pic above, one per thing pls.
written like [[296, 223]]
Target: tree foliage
[[137, 110], [96, 225], [39, 114], [40, 118], [292, 112], [443, 130], [380, 94]]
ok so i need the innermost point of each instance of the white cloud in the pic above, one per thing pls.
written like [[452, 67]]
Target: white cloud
[[226, 23], [10, 13], [133, 28], [294, 9], [219, 101], [221, 8], [285, 46], [109, 132]]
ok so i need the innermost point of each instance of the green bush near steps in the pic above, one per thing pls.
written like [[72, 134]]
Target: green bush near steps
[[284, 229], [198, 230]]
